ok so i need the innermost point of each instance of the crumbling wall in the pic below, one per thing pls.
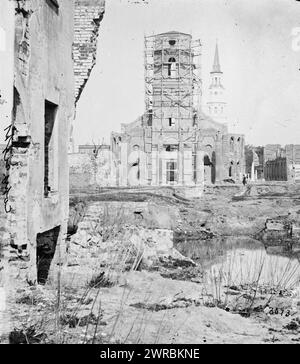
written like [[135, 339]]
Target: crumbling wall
[[43, 73], [88, 15]]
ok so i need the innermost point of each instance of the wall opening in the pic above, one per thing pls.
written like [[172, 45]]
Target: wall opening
[[49, 151], [230, 169], [231, 144], [171, 122], [45, 250], [206, 160], [150, 117], [171, 147], [209, 168], [172, 67]]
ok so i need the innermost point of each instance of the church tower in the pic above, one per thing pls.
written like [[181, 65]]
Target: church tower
[[216, 106]]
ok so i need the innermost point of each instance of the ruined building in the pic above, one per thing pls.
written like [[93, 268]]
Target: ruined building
[[54, 52], [174, 142], [276, 163], [284, 165]]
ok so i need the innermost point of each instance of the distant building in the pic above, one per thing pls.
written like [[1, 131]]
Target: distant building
[[274, 162], [284, 165]]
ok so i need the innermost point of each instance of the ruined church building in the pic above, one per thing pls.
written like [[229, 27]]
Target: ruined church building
[[174, 142]]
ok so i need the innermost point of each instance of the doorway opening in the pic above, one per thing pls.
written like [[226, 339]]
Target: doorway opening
[[209, 168], [171, 169], [230, 172], [45, 250]]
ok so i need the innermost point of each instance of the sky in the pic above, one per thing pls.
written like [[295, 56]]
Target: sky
[[259, 48]]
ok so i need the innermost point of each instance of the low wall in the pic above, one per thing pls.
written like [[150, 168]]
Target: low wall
[[90, 172]]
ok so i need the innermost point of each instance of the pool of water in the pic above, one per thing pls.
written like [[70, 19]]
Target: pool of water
[[240, 260]]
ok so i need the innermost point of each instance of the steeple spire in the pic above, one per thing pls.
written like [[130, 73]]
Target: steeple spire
[[216, 65], [216, 104]]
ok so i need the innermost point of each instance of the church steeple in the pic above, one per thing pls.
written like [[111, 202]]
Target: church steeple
[[216, 65], [216, 105]]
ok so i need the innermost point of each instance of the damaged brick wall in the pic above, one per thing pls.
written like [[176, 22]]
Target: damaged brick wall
[[46, 33], [43, 73], [23, 14], [88, 15]]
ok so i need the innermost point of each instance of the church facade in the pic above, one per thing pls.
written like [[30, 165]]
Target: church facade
[[174, 142]]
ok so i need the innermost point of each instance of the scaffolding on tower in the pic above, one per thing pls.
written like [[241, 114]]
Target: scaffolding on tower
[[189, 86]]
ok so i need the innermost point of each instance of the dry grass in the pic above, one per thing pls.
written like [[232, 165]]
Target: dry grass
[[239, 282]]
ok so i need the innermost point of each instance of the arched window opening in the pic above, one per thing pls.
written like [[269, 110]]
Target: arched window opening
[[172, 42], [172, 67], [206, 160], [231, 144], [171, 122], [195, 120]]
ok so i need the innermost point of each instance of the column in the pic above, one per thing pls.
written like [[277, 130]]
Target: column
[[219, 159], [180, 164], [252, 172], [124, 164], [199, 167], [160, 162]]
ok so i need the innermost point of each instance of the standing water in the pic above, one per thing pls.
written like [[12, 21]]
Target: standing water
[[244, 261]]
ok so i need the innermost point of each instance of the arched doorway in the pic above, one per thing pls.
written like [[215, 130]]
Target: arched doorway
[[134, 174], [172, 68]]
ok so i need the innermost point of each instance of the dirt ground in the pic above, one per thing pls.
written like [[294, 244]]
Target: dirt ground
[[171, 301]]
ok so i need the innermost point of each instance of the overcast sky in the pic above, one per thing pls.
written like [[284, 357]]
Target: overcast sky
[[261, 68]]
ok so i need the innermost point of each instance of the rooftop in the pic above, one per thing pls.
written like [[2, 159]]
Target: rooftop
[[173, 32]]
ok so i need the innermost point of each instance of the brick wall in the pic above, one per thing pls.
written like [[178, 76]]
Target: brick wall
[[88, 15]]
